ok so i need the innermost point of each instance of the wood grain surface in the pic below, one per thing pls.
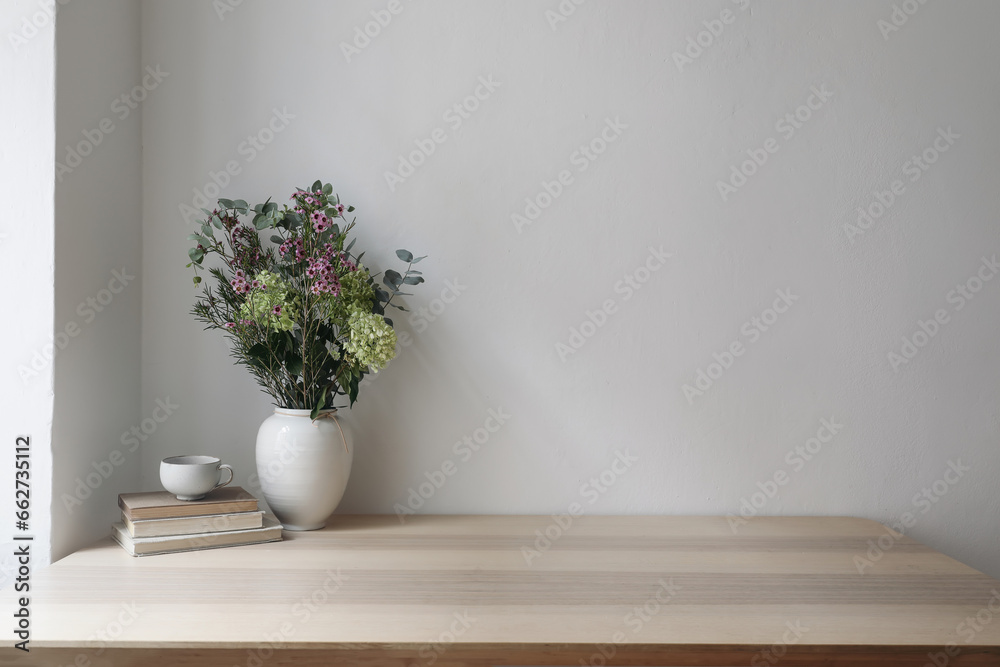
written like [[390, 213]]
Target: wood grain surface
[[478, 590]]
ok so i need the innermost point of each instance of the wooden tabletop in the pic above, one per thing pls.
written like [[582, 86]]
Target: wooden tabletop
[[478, 590]]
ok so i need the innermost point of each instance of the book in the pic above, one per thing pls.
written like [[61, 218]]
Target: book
[[148, 546], [191, 525], [165, 505]]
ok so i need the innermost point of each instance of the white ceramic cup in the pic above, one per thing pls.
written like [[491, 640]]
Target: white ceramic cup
[[192, 477]]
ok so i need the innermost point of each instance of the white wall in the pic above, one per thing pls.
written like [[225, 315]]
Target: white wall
[[27, 67], [97, 267], [655, 186]]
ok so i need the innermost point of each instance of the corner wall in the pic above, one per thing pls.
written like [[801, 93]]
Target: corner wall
[[98, 252]]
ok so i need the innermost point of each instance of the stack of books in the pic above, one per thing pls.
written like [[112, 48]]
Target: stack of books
[[159, 523]]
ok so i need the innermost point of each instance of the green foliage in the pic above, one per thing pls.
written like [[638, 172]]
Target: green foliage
[[303, 315]]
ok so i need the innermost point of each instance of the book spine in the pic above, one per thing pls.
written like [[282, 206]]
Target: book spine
[[194, 510]]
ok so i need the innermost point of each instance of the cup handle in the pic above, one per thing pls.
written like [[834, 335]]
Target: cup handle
[[228, 481]]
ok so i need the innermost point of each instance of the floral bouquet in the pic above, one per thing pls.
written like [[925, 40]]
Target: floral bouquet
[[304, 315]]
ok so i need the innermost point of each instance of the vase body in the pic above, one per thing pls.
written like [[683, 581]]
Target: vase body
[[303, 466]]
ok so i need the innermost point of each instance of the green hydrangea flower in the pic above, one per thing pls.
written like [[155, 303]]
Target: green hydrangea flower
[[355, 293], [269, 304], [372, 342]]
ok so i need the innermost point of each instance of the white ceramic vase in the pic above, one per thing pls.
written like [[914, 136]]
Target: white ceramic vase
[[303, 466]]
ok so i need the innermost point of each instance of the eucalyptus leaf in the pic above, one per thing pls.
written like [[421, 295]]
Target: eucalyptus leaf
[[392, 278], [226, 203], [405, 255], [413, 280]]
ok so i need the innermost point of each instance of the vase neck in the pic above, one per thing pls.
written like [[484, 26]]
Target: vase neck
[[291, 412]]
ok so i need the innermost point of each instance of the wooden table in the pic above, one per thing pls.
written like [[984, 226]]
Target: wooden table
[[481, 590]]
